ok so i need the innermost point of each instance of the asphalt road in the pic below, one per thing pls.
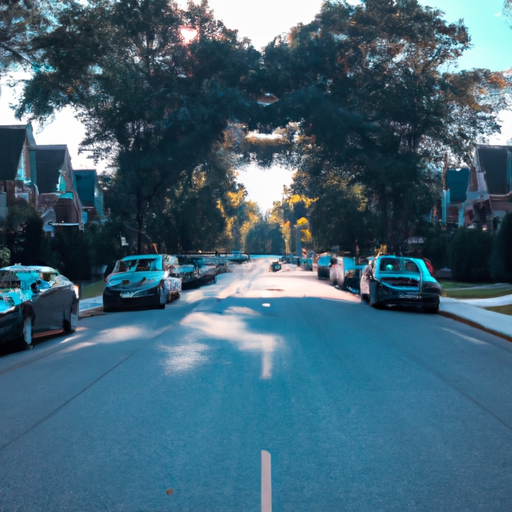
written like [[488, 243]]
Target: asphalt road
[[168, 410]]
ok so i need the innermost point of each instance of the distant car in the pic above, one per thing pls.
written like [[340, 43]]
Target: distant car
[[394, 280], [307, 262], [346, 273], [35, 300], [323, 266], [142, 281], [275, 266]]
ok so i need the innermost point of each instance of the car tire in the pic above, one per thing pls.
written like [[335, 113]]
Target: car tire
[[372, 300], [71, 324], [26, 337], [431, 309]]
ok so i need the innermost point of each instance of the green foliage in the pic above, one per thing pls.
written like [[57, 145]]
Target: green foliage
[[5, 256], [501, 254], [364, 88], [72, 254], [436, 247], [20, 23], [468, 255], [23, 233], [264, 238], [104, 243], [159, 101]]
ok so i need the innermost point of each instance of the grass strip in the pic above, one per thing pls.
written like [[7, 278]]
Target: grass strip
[[92, 290], [448, 285], [504, 310], [479, 293]]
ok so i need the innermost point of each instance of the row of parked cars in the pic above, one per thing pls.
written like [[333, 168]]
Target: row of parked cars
[[39, 300], [385, 280]]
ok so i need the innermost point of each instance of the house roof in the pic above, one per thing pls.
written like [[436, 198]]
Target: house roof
[[12, 139], [496, 162], [49, 161], [457, 181], [85, 185]]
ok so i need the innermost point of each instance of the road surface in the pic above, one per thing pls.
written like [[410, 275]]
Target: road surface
[[169, 410]]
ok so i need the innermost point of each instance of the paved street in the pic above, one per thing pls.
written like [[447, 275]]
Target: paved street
[[168, 410]]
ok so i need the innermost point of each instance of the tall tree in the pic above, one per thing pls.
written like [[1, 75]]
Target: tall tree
[[152, 82], [366, 85]]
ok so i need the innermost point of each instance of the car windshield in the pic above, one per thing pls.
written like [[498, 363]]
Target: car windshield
[[136, 265]]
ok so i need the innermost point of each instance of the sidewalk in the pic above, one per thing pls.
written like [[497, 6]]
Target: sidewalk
[[471, 312], [92, 303]]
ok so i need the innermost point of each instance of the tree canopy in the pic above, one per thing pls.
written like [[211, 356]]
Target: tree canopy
[[366, 104], [368, 92]]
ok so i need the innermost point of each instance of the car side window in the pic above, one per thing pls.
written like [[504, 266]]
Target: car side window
[[410, 266]]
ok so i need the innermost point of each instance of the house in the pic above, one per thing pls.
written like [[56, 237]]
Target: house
[[58, 202], [90, 194], [16, 167], [489, 193]]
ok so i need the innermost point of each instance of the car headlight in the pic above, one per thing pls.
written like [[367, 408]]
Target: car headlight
[[77, 290], [145, 293]]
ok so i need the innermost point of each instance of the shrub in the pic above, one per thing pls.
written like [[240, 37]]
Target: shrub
[[436, 247], [500, 263], [469, 253]]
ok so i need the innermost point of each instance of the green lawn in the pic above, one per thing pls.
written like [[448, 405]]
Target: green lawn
[[92, 290], [474, 291], [504, 310], [448, 285]]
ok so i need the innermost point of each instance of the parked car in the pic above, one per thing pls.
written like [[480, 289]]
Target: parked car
[[323, 266], [394, 280], [142, 281], [35, 300], [345, 273], [307, 262], [275, 266]]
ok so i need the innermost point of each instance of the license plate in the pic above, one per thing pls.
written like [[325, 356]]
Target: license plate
[[126, 295], [408, 296]]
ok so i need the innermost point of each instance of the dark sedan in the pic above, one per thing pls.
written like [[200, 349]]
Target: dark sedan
[[35, 300], [394, 280]]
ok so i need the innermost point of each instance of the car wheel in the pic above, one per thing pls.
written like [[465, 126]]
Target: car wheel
[[431, 309], [27, 334], [373, 297], [71, 324]]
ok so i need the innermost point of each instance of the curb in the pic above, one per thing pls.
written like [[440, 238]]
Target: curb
[[476, 325]]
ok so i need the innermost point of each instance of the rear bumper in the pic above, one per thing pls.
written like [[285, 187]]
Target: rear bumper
[[407, 298], [112, 300]]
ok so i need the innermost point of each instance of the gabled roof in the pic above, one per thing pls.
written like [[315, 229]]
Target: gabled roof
[[457, 181], [496, 162], [12, 139], [49, 161]]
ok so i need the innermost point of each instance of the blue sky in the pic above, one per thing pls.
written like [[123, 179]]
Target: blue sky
[[490, 32]]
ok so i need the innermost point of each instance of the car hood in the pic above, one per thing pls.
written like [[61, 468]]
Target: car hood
[[135, 280]]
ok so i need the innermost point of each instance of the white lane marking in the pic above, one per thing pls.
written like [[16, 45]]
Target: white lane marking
[[266, 482], [469, 338]]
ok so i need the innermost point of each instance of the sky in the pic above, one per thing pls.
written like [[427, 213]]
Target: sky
[[261, 21]]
